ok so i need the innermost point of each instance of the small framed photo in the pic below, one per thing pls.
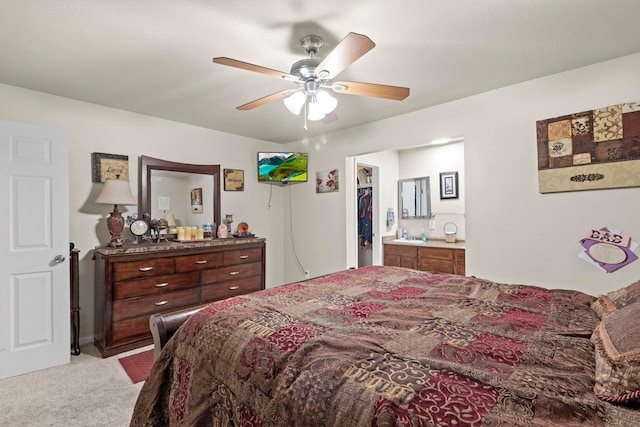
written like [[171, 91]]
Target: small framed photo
[[109, 166], [233, 180], [448, 185], [196, 200]]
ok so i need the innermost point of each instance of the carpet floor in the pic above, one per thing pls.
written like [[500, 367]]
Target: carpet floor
[[89, 391]]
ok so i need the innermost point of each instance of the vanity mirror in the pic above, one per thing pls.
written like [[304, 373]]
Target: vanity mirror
[[167, 189], [414, 198]]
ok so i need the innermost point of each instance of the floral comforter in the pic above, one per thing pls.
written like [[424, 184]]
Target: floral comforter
[[383, 346]]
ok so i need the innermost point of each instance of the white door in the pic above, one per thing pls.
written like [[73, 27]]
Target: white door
[[34, 254]]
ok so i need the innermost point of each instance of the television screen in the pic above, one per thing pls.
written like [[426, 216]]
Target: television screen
[[282, 166]]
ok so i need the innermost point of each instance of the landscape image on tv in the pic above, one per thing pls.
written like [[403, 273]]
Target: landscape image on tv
[[282, 167]]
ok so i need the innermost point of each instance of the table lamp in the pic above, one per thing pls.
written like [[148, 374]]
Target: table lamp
[[116, 192]]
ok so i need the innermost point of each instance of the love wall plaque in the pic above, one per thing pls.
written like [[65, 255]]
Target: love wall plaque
[[109, 166]]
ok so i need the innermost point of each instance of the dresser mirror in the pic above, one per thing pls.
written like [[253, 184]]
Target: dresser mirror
[[186, 194], [414, 198]]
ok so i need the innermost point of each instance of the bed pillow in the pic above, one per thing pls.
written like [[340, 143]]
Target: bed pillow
[[607, 304], [617, 344]]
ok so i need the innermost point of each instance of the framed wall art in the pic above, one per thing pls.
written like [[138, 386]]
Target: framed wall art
[[590, 150], [327, 181], [109, 166], [233, 180], [448, 185]]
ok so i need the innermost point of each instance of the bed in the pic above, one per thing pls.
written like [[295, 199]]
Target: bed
[[387, 346]]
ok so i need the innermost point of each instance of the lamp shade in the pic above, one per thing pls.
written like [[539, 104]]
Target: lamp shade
[[116, 192], [321, 105], [171, 219], [295, 101]]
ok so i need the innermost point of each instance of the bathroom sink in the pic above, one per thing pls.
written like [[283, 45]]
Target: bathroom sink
[[412, 242]]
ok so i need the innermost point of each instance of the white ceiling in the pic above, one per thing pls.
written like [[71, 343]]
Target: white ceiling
[[154, 56]]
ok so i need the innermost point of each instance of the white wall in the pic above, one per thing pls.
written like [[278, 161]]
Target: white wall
[[513, 233], [93, 128]]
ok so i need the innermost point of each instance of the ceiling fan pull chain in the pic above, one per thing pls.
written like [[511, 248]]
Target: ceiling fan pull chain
[[305, 114]]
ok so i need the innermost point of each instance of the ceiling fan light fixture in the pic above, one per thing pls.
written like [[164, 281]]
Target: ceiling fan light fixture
[[313, 73], [295, 101], [315, 112], [321, 104], [328, 102]]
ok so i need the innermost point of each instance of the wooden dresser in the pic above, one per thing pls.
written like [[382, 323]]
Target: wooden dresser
[[434, 256], [134, 282]]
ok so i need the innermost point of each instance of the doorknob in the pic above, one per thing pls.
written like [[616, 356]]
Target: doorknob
[[58, 259]]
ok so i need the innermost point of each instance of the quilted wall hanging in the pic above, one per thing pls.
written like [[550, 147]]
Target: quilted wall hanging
[[590, 150]]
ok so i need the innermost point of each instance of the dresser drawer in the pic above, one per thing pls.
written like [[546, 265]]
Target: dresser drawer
[[233, 272], [130, 330], [132, 307], [439, 253], [234, 288], [242, 256], [198, 262], [145, 268], [155, 285]]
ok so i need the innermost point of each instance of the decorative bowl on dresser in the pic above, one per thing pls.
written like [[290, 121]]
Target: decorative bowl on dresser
[[134, 282]]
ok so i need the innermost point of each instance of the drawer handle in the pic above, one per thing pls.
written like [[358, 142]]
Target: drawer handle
[[233, 288], [233, 273], [160, 303], [146, 269], [161, 285], [201, 261], [244, 256]]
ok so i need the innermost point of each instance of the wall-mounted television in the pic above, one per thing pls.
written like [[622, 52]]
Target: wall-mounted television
[[282, 167]]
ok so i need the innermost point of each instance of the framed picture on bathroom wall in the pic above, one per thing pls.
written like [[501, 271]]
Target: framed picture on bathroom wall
[[196, 200], [448, 185]]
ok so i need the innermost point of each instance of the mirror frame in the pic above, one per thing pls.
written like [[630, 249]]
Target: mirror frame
[[149, 164], [427, 187]]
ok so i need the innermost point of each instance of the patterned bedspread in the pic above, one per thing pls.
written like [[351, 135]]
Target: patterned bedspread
[[383, 346]]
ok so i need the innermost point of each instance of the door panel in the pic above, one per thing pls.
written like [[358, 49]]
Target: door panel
[[31, 220], [32, 294], [34, 273]]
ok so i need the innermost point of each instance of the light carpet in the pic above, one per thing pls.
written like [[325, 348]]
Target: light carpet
[[89, 391]]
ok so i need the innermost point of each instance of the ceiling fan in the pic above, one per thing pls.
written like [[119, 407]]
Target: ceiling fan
[[313, 75]]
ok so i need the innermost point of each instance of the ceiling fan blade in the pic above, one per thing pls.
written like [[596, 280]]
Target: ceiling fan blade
[[261, 101], [352, 47], [255, 68], [397, 93]]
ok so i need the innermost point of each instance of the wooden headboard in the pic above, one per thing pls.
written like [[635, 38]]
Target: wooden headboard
[[164, 325]]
